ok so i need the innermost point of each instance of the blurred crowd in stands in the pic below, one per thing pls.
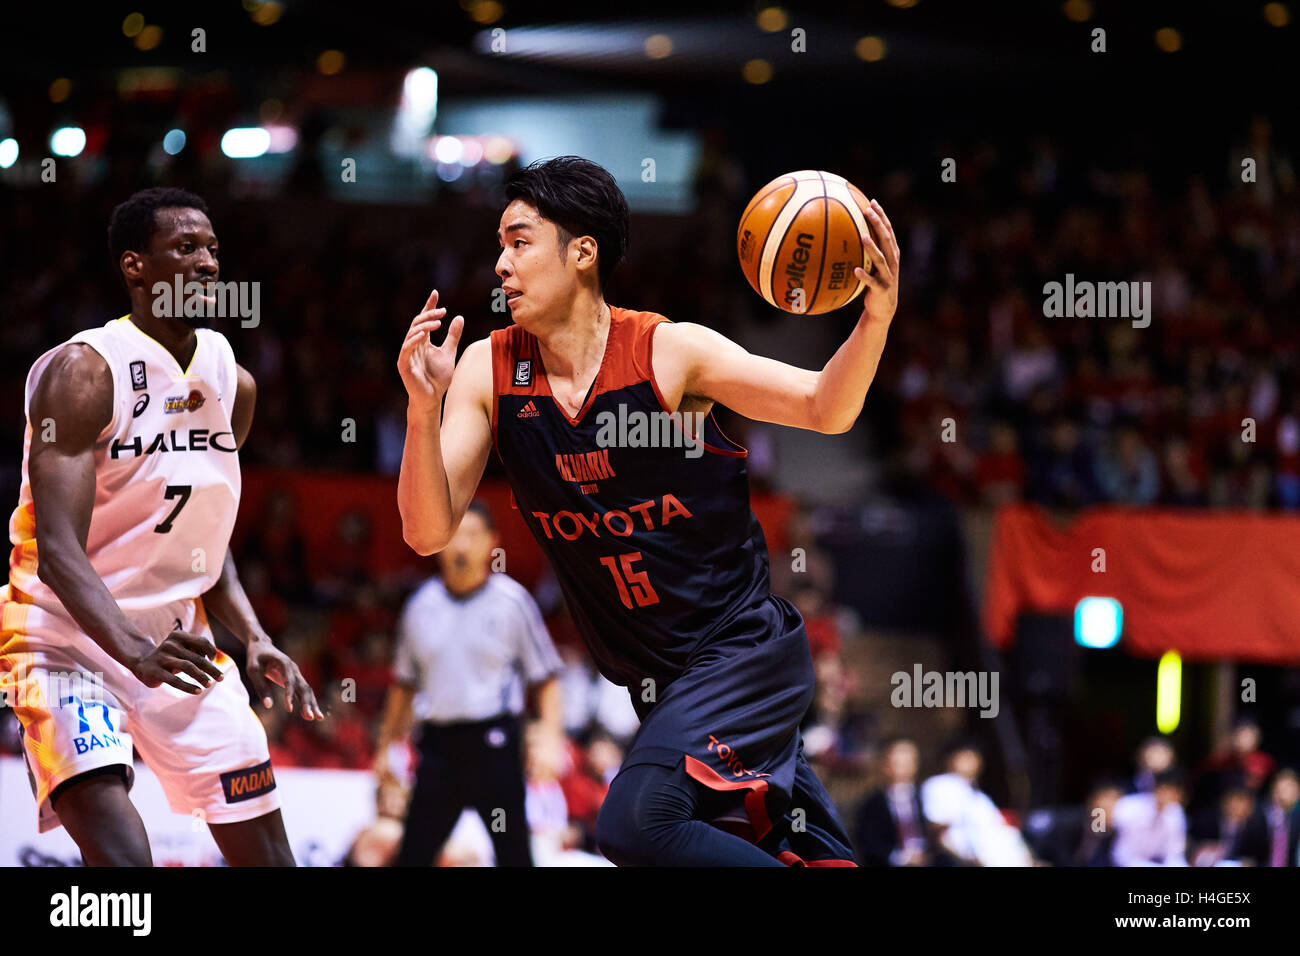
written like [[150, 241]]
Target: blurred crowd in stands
[[1238, 808], [1063, 411], [1201, 408]]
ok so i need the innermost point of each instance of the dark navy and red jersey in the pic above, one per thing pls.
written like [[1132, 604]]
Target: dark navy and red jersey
[[665, 571], [656, 552]]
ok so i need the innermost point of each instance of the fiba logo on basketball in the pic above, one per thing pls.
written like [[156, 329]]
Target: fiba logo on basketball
[[799, 240]]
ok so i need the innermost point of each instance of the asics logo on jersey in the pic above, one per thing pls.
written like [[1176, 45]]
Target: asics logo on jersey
[[585, 466], [195, 439], [528, 411], [140, 406], [572, 525], [187, 403]]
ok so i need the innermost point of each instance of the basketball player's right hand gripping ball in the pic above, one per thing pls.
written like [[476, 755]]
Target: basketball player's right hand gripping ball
[[799, 240]]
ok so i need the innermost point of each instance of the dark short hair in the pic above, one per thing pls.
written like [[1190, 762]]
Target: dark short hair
[[478, 507], [133, 223], [582, 199]]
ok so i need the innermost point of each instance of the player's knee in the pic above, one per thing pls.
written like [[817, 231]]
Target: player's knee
[[642, 815], [616, 829]]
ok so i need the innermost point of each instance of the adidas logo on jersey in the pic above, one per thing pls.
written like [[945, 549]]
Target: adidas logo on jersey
[[529, 411]]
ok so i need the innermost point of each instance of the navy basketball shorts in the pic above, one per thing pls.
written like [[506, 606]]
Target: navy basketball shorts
[[730, 722]]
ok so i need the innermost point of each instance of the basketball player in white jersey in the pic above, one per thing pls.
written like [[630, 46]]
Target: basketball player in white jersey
[[130, 488]]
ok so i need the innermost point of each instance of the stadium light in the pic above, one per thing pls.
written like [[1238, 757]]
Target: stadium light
[[282, 139], [174, 142], [448, 149], [1169, 692], [416, 111], [68, 141], [1098, 622], [8, 152], [498, 149], [245, 142]]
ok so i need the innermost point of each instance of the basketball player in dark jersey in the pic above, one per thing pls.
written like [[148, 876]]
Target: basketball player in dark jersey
[[662, 562]]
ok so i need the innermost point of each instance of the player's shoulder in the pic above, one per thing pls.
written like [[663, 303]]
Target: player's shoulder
[[76, 360], [637, 315], [73, 382], [637, 321], [76, 375], [479, 351], [475, 368], [632, 336]]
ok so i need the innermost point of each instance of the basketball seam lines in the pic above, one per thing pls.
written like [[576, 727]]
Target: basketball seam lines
[[826, 238], [772, 279]]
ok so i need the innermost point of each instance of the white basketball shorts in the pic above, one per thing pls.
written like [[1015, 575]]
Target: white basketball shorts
[[81, 710]]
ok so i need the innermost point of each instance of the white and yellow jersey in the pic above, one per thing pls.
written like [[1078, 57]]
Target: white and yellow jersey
[[166, 473]]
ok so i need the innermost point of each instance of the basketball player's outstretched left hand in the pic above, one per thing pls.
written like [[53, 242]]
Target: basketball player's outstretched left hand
[[426, 368], [266, 664], [179, 653], [882, 281]]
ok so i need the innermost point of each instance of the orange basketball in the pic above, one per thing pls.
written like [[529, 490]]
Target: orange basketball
[[799, 240]]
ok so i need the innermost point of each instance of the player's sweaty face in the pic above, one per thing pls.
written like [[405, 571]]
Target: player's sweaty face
[[183, 245], [534, 267]]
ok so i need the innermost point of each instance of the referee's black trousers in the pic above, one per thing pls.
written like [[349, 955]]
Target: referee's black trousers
[[477, 765]]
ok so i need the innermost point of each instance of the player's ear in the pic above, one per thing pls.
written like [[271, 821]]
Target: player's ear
[[587, 248], [132, 264]]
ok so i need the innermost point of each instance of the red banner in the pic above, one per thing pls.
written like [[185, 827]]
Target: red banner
[[1208, 584]]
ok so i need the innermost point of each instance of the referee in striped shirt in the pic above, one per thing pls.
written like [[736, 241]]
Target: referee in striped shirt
[[467, 645]]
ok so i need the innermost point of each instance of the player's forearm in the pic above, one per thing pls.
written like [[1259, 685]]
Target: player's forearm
[[228, 603], [423, 492], [66, 570], [842, 385]]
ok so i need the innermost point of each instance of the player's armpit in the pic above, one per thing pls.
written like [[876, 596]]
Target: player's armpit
[[692, 359]]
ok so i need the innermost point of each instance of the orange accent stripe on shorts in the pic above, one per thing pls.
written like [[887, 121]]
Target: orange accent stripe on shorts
[[755, 800]]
